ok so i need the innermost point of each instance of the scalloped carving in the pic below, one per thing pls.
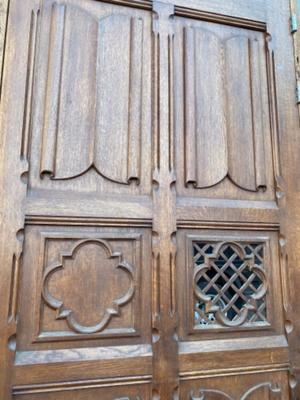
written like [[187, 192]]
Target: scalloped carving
[[111, 310], [268, 389]]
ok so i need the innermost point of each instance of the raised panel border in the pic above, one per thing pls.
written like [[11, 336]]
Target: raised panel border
[[39, 336], [227, 238], [276, 316], [242, 14]]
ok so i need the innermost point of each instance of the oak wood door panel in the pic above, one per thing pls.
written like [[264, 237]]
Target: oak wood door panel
[[230, 274], [84, 283], [224, 269], [81, 284], [227, 141], [149, 242], [86, 54]]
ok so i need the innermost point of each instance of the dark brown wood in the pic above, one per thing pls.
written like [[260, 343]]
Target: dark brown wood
[[149, 201]]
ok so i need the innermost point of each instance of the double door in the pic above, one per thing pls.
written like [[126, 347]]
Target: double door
[[149, 246]]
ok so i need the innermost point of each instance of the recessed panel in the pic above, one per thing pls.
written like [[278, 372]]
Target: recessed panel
[[231, 283], [85, 283], [91, 101], [222, 119]]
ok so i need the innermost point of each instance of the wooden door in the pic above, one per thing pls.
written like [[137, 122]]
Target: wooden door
[[150, 215]]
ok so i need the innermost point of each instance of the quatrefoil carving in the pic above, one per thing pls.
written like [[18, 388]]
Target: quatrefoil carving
[[212, 303], [113, 309]]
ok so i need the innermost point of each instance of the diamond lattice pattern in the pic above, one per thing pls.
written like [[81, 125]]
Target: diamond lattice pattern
[[229, 283]]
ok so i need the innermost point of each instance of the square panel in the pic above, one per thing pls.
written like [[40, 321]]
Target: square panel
[[230, 282], [83, 283]]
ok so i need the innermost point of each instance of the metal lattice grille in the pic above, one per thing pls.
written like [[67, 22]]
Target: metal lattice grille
[[229, 284]]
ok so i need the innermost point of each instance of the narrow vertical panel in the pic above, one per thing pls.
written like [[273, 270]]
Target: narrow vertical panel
[[3, 22], [26, 131], [113, 97], [135, 97], [211, 145], [53, 89], [75, 137], [274, 119], [241, 161], [257, 115], [190, 106]]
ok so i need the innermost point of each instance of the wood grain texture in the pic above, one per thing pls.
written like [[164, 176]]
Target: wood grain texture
[[3, 22], [164, 223], [264, 388], [105, 135], [149, 198], [225, 136]]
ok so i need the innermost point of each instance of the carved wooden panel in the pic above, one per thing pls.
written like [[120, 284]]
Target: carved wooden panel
[[232, 280], [87, 284], [115, 116], [93, 132], [230, 284], [85, 56], [92, 254], [260, 386], [222, 118]]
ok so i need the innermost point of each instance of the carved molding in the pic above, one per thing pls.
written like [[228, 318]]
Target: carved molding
[[226, 139], [3, 23], [269, 389], [28, 105], [111, 309], [164, 321], [295, 18], [93, 60], [274, 119]]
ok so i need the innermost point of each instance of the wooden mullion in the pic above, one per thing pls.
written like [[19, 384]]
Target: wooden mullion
[[165, 345]]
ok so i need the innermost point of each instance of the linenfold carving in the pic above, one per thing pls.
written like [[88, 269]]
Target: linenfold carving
[[113, 309], [265, 390], [92, 117], [224, 137]]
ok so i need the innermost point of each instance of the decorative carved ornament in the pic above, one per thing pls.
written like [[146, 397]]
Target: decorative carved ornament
[[98, 134], [273, 391], [226, 140], [64, 313], [229, 283]]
